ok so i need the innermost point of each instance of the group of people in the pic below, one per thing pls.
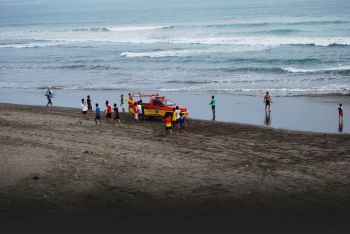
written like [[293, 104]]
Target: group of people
[[173, 120], [86, 109]]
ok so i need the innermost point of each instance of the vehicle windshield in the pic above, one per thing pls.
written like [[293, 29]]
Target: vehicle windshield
[[168, 102]]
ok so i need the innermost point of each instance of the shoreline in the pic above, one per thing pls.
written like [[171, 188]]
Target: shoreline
[[301, 113], [130, 118]]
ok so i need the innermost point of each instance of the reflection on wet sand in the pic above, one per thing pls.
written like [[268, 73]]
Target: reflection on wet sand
[[267, 120], [340, 125]]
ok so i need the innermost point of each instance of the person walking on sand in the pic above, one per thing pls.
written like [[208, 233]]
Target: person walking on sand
[[122, 102], [267, 101], [98, 114], [213, 103], [84, 110], [116, 117], [167, 121], [108, 112], [340, 112], [49, 96], [89, 105], [182, 123]]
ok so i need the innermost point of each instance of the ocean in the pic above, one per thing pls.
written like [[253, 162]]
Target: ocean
[[296, 47]]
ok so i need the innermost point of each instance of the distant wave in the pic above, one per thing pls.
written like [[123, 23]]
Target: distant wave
[[320, 91], [262, 24], [31, 45], [118, 29], [83, 67], [188, 52], [254, 41], [278, 31], [344, 70], [264, 41]]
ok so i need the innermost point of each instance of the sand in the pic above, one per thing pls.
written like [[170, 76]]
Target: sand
[[52, 164]]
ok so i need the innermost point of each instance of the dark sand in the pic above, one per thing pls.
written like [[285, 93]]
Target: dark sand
[[219, 168]]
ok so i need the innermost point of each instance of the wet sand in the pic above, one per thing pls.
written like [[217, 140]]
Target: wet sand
[[51, 164], [304, 113]]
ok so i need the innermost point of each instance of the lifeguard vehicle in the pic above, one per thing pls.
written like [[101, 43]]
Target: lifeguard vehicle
[[155, 105]]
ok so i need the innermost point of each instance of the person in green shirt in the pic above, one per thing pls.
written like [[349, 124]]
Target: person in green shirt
[[212, 103]]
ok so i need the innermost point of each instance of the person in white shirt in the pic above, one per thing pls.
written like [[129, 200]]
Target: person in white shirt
[[139, 110], [84, 110]]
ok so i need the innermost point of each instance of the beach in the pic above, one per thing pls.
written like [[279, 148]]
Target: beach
[[52, 164]]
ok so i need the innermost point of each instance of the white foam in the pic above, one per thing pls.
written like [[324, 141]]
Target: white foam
[[298, 70], [189, 52], [134, 28]]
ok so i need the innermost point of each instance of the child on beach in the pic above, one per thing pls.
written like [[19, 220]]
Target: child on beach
[[182, 123], [89, 105], [84, 110], [108, 111], [267, 101], [98, 114], [122, 102], [340, 112], [174, 118], [213, 103], [116, 114], [167, 121]]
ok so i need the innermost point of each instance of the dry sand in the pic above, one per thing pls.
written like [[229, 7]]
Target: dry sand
[[219, 168]]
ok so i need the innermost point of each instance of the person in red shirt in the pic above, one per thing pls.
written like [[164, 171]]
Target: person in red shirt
[[108, 112], [167, 121]]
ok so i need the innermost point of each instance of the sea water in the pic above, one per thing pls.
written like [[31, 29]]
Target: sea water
[[294, 47]]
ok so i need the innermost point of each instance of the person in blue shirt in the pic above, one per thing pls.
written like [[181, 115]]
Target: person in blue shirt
[[98, 114], [49, 96], [182, 123]]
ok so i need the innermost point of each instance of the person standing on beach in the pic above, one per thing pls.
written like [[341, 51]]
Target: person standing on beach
[[49, 96], [174, 118], [340, 112], [98, 114], [182, 123], [122, 102], [178, 112], [89, 105], [267, 101], [142, 109], [136, 114], [108, 112], [167, 121], [139, 110], [116, 117], [84, 110], [213, 103]]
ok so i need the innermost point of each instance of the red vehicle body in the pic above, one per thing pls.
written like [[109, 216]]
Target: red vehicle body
[[155, 105]]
